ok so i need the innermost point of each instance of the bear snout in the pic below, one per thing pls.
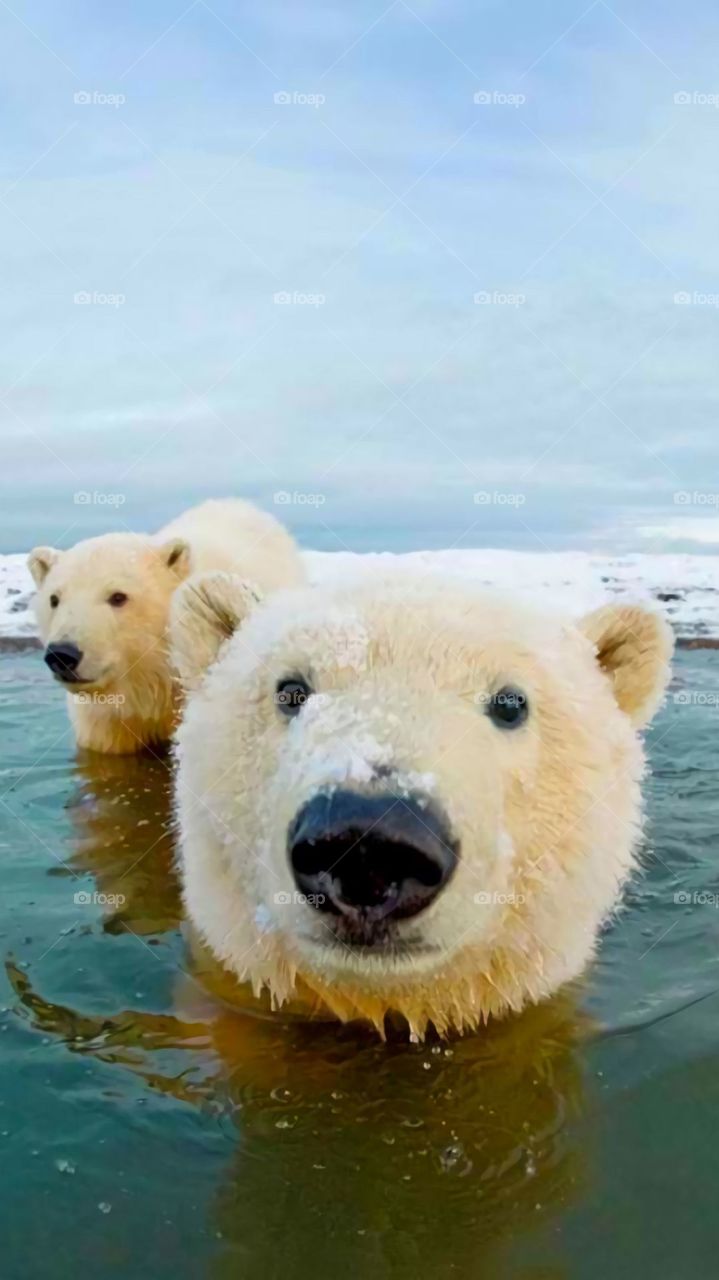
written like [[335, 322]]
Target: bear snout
[[63, 659], [370, 860]]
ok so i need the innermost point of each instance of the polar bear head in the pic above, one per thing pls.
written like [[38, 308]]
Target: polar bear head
[[102, 609], [407, 796]]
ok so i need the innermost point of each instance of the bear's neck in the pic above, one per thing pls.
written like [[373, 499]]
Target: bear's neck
[[104, 723]]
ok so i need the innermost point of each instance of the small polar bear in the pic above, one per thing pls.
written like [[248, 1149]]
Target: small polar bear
[[407, 796], [102, 609]]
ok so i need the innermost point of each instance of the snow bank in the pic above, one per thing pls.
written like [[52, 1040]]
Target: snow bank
[[685, 587]]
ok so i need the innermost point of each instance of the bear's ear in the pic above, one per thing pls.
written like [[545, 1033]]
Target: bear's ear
[[634, 648], [40, 562], [176, 555], [205, 611]]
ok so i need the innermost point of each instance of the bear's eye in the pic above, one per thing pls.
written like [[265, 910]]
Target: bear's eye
[[54, 601], [508, 707], [291, 695], [117, 599]]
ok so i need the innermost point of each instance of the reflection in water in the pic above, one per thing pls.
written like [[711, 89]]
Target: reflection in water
[[397, 1159], [121, 815], [394, 1158], [419, 1156]]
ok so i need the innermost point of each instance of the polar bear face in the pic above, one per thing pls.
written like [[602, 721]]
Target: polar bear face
[[407, 796], [102, 610]]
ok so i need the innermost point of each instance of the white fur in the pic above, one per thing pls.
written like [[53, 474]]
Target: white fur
[[547, 816], [128, 697]]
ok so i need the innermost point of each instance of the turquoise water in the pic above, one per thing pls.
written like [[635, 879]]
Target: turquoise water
[[142, 1140]]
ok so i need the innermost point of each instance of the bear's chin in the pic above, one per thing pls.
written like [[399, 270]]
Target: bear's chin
[[376, 965], [77, 686], [99, 682]]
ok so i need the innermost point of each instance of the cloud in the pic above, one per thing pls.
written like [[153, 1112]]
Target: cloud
[[702, 529], [199, 199]]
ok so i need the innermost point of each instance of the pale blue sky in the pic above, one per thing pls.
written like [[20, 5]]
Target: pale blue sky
[[186, 192]]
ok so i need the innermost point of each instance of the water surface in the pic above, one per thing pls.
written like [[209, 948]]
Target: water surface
[[144, 1140]]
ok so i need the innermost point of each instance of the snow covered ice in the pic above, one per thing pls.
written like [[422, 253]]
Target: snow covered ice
[[685, 587]]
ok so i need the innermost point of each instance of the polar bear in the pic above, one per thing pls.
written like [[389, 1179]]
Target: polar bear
[[102, 609], [407, 797]]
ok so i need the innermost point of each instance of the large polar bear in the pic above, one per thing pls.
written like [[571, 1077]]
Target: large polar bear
[[102, 608], [407, 796]]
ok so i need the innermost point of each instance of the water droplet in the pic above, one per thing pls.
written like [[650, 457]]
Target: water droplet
[[454, 1159], [280, 1095]]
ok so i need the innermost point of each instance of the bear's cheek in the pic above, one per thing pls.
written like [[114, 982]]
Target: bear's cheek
[[256, 797]]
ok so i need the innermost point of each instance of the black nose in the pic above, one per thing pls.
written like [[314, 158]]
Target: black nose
[[63, 659], [370, 858]]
